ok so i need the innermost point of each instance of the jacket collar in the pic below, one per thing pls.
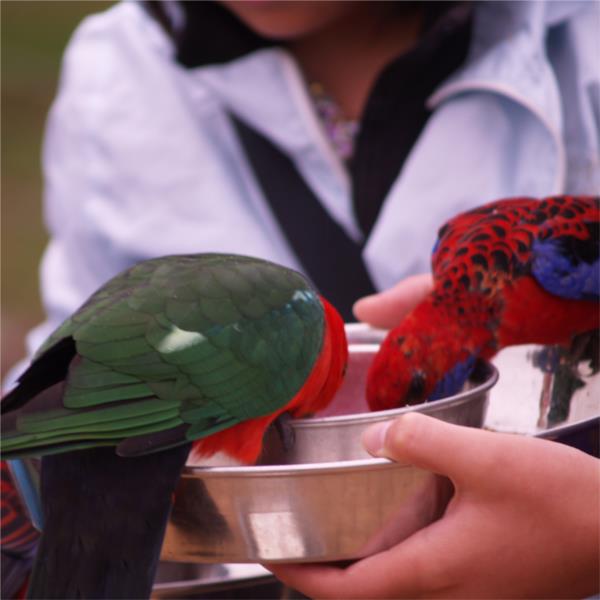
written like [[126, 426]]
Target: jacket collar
[[266, 90], [508, 57]]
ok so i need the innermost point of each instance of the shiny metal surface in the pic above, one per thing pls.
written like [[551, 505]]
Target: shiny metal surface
[[326, 498], [543, 391], [325, 511], [201, 580]]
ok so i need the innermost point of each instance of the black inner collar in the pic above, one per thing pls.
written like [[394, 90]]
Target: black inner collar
[[396, 112], [210, 34]]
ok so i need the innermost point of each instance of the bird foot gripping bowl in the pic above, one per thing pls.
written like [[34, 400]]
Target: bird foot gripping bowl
[[325, 498]]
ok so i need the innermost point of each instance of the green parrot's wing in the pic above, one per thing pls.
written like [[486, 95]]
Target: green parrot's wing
[[178, 348]]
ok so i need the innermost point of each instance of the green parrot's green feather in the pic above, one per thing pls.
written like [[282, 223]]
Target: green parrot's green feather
[[107, 351], [82, 397], [117, 429], [202, 429], [99, 333], [150, 366], [220, 311], [122, 424], [60, 448], [87, 419], [194, 413], [114, 436], [202, 340], [96, 375], [186, 314]]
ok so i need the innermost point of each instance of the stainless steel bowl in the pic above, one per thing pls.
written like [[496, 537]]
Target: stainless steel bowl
[[521, 402], [324, 500], [310, 512]]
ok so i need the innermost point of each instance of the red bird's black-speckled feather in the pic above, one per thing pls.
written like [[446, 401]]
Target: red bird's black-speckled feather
[[485, 247], [519, 246]]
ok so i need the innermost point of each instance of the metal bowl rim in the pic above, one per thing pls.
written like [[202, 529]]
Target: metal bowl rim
[[328, 468], [370, 346], [357, 328], [565, 428], [393, 412], [342, 465]]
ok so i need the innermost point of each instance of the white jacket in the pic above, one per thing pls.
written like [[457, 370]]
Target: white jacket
[[140, 159]]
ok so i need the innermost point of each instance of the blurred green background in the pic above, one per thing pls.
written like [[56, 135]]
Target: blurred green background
[[34, 35]]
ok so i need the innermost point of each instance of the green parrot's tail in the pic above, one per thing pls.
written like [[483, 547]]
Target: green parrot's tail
[[105, 522]]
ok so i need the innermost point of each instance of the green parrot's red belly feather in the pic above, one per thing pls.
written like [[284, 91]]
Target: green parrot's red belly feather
[[244, 440]]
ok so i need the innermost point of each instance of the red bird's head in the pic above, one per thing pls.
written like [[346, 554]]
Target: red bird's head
[[424, 358], [400, 373]]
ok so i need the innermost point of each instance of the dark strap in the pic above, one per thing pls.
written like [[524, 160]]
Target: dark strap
[[329, 257]]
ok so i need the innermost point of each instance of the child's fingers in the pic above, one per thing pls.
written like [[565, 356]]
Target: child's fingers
[[387, 309], [461, 453]]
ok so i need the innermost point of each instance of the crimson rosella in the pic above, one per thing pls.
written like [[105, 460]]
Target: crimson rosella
[[514, 271]]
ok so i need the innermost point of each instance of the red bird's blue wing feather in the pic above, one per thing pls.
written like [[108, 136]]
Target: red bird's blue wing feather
[[565, 258]]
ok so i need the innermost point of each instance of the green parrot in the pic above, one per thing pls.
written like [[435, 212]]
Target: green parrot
[[184, 353]]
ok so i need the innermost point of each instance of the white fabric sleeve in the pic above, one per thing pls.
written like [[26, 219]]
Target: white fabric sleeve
[[80, 255]]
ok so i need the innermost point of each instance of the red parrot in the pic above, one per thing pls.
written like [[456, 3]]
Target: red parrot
[[514, 271], [199, 351]]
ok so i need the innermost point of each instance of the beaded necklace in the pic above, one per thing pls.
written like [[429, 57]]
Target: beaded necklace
[[341, 132]]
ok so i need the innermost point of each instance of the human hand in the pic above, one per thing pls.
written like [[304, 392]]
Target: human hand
[[388, 308], [523, 521]]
